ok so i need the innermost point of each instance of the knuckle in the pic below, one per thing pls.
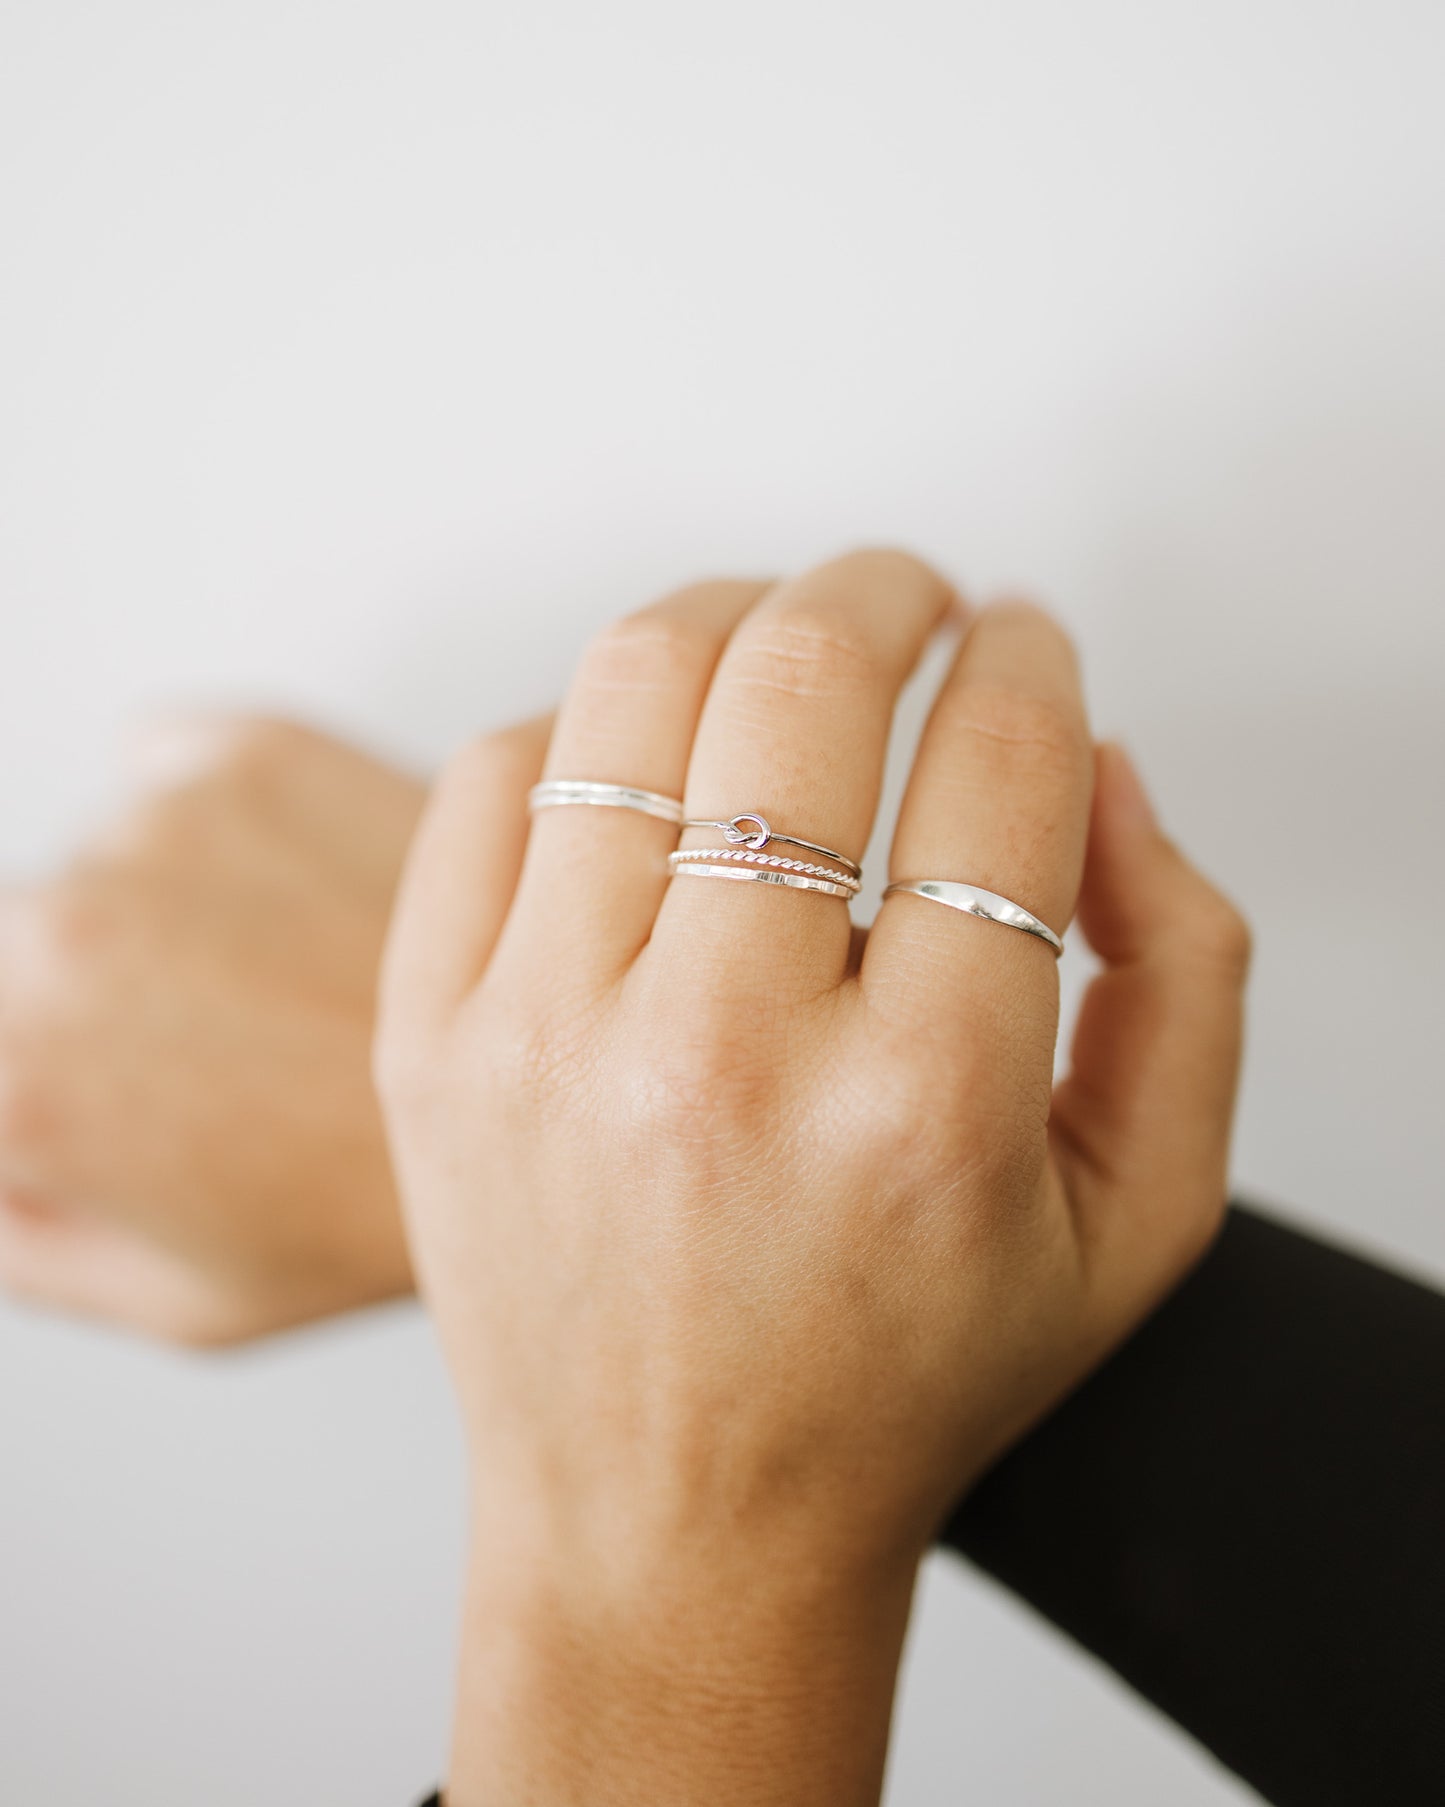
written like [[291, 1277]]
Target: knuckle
[[259, 745], [251, 761], [533, 1057], [29, 1108], [650, 650], [711, 1076], [1022, 728], [695, 1089], [236, 764], [806, 652], [1022, 611], [477, 763], [1221, 936], [173, 821], [898, 1129], [504, 757], [68, 926], [892, 566], [517, 747], [222, 746]]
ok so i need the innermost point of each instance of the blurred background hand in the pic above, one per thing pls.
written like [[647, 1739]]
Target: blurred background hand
[[189, 1144]]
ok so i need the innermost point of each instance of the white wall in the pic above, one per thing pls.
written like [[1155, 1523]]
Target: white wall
[[362, 357]]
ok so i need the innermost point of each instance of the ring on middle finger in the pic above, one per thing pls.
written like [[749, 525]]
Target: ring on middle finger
[[751, 833]]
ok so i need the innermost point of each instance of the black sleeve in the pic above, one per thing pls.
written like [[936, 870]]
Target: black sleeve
[[1243, 1513]]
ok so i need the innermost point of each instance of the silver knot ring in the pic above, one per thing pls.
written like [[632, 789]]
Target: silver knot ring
[[752, 831]]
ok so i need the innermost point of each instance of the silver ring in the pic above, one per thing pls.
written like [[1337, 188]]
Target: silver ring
[[760, 835], [557, 793], [794, 881], [976, 902], [774, 861]]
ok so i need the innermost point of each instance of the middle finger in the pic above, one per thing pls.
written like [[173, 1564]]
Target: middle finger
[[795, 727]]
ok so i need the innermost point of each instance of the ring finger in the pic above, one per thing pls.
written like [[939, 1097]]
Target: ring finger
[[999, 799]]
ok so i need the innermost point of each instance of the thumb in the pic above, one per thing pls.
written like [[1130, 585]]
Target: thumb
[[1141, 1125]]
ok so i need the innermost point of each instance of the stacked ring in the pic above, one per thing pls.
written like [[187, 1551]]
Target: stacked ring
[[762, 861], [745, 858], [748, 836], [760, 835]]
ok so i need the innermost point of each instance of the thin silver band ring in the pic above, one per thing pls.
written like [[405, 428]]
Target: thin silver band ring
[[758, 875], [974, 901], [760, 834], [557, 793]]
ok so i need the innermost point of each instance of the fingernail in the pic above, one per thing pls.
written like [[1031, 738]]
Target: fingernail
[[1132, 799]]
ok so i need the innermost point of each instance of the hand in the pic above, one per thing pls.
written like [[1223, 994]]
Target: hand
[[189, 1140], [749, 1247]]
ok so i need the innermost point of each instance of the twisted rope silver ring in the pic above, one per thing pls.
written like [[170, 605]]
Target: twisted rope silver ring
[[776, 862]]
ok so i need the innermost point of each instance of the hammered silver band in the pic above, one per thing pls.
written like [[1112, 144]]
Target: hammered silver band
[[747, 857], [759, 875], [558, 793], [974, 901], [760, 835]]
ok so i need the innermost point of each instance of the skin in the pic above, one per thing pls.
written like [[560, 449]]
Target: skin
[[189, 1140], [751, 1243]]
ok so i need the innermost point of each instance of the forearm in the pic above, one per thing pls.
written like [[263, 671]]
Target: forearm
[[1242, 1514]]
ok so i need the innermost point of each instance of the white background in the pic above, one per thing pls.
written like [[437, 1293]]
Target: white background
[[361, 358]]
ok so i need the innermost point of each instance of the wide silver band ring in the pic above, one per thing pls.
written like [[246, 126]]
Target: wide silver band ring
[[558, 793], [766, 875], [737, 833], [974, 901]]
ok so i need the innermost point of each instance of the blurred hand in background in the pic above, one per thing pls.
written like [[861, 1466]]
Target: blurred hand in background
[[189, 1142]]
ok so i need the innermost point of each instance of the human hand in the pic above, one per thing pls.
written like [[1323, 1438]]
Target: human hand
[[750, 1247], [190, 1144]]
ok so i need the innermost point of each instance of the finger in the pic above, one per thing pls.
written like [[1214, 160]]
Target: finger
[[796, 727], [460, 875], [629, 718], [1141, 1124], [998, 798], [67, 1261], [52, 1256]]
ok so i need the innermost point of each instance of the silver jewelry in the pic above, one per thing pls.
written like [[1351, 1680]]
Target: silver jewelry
[[976, 902], [556, 793], [747, 857], [795, 881], [760, 835]]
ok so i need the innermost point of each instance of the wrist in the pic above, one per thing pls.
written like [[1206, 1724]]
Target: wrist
[[765, 1677]]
